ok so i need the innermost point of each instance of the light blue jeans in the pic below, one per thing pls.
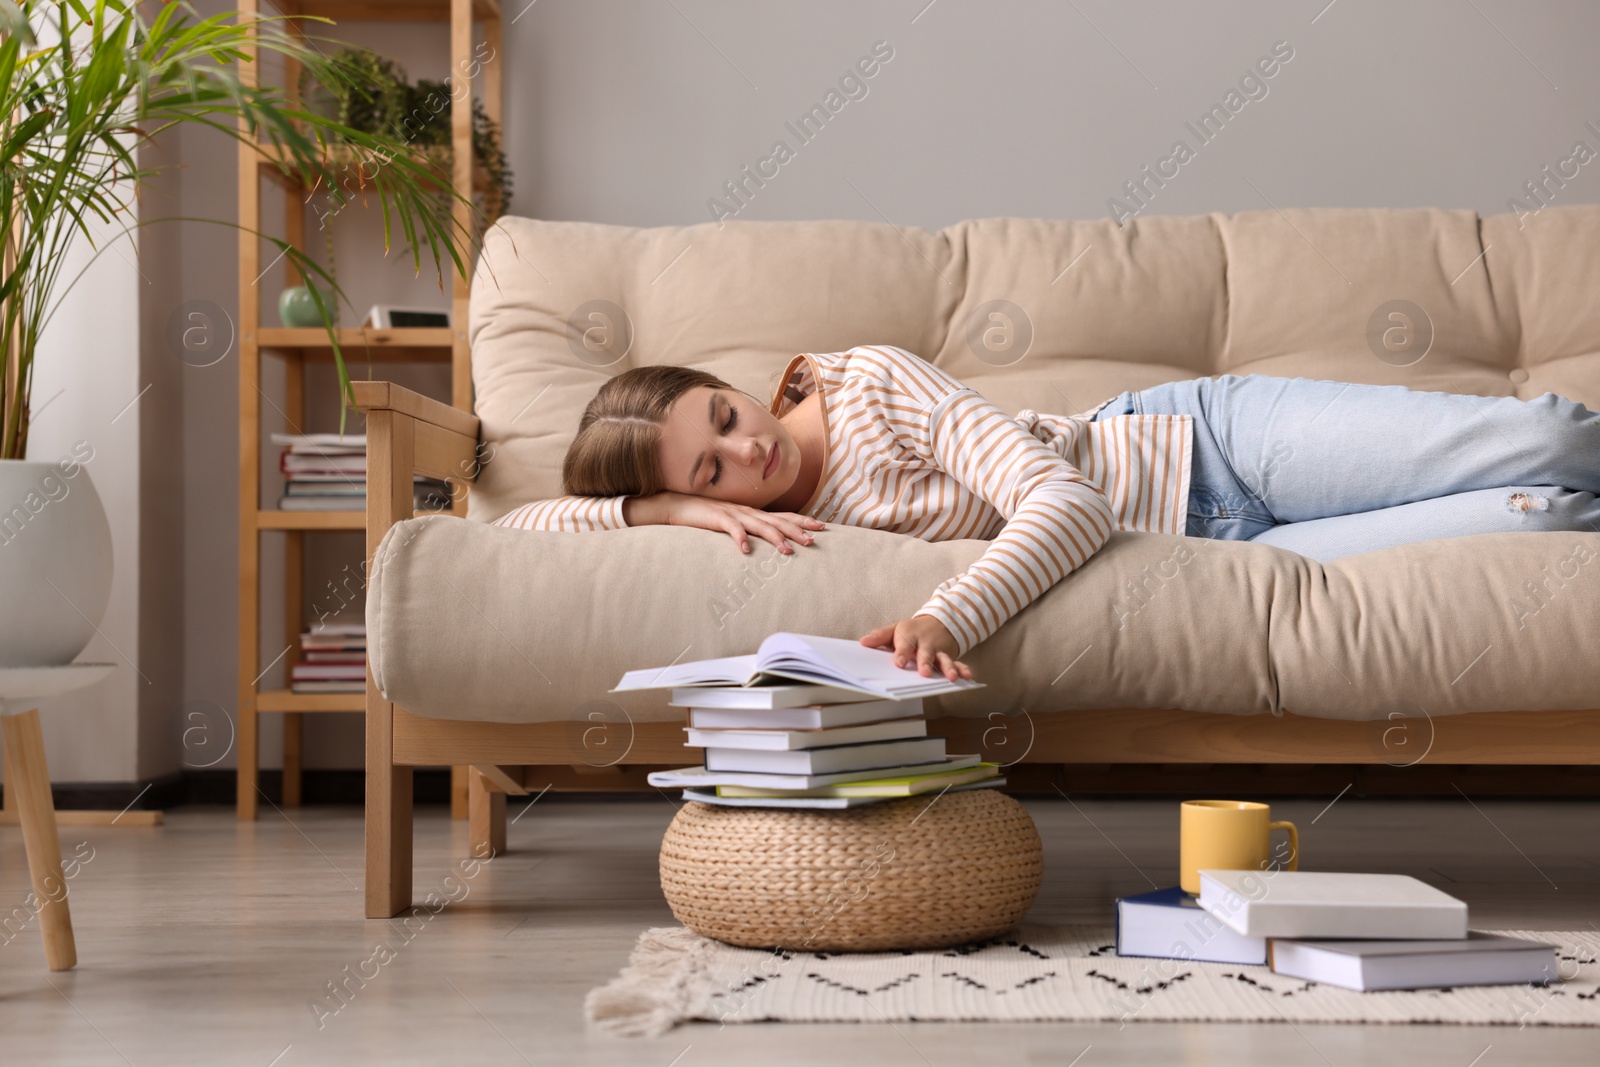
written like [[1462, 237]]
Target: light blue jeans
[[1330, 469]]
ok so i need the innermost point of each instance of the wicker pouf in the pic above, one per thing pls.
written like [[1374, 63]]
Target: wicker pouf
[[905, 874]]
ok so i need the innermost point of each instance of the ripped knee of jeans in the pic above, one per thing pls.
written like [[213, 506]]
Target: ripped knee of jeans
[[1522, 503]]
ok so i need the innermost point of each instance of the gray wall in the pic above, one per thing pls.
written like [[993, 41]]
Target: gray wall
[[638, 113]]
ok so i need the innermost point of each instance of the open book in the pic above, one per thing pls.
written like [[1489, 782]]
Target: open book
[[800, 657]]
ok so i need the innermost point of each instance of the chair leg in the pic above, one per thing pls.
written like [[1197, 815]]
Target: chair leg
[[486, 817], [28, 780]]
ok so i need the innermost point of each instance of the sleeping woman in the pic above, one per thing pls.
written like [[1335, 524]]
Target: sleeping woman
[[878, 437]]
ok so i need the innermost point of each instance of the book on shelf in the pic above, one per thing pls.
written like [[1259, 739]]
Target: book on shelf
[[335, 659], [793, 740], [1170, 924], [317, 443], [349, 483], [330, 687], [349, 645], [814, 716], [328, 472], [338, 488], [805, 800], [328, 672], [320, 655], [1328, 904], [794, 657], [1477, 959], [427, 495], [344, 629], [323, 463]]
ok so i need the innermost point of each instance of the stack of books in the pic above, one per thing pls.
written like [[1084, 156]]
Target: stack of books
[[809, 722], [328, 472], [1357, 931], [333, 659]]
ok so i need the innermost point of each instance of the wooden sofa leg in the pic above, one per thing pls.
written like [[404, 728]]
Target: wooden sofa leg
[[388, 815], [486, 817], [458, 792]]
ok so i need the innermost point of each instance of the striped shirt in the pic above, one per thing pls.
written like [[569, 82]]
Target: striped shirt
[[911, 450]]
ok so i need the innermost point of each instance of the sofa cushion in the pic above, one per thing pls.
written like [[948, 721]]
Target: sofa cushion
[[469, 621], [1092, 308]]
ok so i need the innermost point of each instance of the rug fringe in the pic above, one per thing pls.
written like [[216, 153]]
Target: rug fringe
[[665, 982]]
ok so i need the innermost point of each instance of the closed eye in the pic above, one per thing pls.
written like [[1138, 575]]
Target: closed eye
[[716, 462]]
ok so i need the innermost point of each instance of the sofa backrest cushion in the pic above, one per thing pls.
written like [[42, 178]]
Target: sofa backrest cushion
[[1052, 315]]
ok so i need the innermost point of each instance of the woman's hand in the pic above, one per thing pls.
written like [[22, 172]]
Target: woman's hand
[[921, 640], [736, 520]]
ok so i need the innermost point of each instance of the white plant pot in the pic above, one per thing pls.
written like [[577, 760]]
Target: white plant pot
[[55, 561]]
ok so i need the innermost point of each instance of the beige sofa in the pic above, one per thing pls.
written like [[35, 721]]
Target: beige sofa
[[495, 648]]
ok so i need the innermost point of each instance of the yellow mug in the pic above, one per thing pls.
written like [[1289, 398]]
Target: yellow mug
[[1231, 835]]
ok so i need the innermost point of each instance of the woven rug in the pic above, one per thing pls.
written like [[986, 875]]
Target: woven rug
[[1060, 974]]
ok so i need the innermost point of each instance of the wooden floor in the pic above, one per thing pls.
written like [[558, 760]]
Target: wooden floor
[[207, 941]]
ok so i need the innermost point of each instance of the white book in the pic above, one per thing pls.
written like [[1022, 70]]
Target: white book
[[867, 757], [347, 442], [794, 740], [335, 628], [1321, 904], [877, 785], [1170, 924], [700, 778], [710, 796], [831, 661], [809, 717], [1479, 959], [763, 697]]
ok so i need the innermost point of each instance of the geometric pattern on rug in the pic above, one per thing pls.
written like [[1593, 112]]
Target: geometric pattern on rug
[[1047, 974]]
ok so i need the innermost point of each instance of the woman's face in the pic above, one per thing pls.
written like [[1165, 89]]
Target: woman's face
[[721, 443]]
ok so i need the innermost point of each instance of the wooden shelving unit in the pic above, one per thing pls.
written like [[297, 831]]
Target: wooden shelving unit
[[297, 348]]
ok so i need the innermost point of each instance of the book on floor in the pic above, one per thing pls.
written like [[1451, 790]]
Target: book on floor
[[829, 661], [1327, 904], [794, 740], [864, 757], [808, 717], [765, 697], [824, 803], [1170, 924], [701, 778], [885, 788], [1477, 959]]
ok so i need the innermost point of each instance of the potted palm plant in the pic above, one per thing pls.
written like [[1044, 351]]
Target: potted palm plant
[[82, 86]]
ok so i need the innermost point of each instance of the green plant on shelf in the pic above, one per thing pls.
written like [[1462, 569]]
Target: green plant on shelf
[[374, 95], [85, 85]]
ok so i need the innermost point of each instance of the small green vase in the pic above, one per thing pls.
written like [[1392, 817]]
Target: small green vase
[[297, 309]]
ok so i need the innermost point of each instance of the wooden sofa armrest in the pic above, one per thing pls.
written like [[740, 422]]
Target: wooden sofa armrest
[[409, 434], [387, 396]]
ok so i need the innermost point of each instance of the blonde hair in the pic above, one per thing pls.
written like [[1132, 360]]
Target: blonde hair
[[616, 450]]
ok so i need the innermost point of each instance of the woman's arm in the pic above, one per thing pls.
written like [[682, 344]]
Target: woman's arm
[[570, 514], [584, 513], [1055, 517]]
